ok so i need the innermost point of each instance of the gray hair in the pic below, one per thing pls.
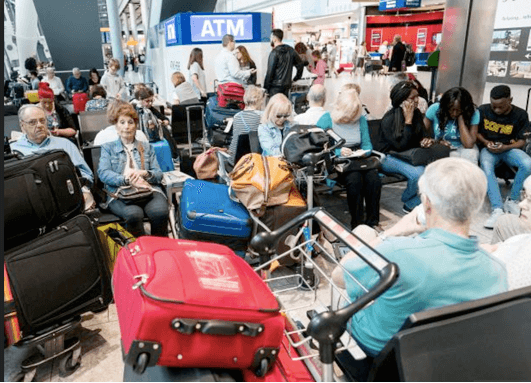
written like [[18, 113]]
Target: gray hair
[[24, 108], [317, 94], [227, 39], [75, 70], [253, 96], [456, 188]]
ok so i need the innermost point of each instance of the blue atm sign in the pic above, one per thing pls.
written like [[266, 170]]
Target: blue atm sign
[[213, 28], [387, 5]]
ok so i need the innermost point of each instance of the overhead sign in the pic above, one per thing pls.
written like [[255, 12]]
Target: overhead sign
[[386, 5], [214, 27], [171, 32]]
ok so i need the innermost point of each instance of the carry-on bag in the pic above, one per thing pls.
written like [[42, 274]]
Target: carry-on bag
[[190, 304], [206, 164], [58, 275], [187, 123], [40, 192], [163, 153], [208, 214], [79, 100], [112, 238], [230, 93], [215, 115], [12, 331], [302, 139]]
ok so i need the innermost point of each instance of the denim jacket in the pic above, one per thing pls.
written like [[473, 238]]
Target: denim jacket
[[270, 137], [112, 164]]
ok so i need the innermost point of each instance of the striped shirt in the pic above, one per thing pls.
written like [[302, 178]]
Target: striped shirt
[[244, 122]]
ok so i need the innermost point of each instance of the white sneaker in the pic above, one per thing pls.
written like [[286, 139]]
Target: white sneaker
[[491, 221], [511, 207]]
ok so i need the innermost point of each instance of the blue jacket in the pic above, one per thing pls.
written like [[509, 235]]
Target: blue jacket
[[270, 137], [112, 165], [77, 84]]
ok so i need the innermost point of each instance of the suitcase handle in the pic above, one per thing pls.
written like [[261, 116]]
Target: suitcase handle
[[216, 327]]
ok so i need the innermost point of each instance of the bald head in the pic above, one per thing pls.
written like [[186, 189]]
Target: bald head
[[317, 95]]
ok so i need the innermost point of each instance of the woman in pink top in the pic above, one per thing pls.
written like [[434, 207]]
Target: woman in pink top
[[319, 67]]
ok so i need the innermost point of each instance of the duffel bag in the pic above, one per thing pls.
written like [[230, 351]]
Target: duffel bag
[[259, 181], [301, 140], [230, 93], [206, 164]]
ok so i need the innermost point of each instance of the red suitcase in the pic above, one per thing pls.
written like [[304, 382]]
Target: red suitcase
[[79, 100], [194, 304], [230, 92]]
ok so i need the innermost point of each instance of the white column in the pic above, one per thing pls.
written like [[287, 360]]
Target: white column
[[144, 10], [132, 20], [116, 32]]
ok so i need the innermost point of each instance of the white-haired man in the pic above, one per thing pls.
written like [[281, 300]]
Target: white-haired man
[[76, 83], [316, 114], [441, 266]]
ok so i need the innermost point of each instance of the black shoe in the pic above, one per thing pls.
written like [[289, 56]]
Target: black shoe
[[406, 209]]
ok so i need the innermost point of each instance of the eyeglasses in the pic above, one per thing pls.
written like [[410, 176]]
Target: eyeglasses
[[283, 115], [35, 122]]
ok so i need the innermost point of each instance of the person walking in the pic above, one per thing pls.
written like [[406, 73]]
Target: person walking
[[332, 59], [397, 54]]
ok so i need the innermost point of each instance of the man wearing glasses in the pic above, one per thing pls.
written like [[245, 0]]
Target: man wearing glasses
[[37, 139]]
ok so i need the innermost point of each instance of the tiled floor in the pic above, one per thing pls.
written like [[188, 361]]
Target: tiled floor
[[100, 334]]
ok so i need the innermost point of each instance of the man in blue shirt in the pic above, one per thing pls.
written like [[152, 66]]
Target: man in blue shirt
[[76, 83], [439, 267], [37, 139]]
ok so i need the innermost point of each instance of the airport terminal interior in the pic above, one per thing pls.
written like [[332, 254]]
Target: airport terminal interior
[[240, 190]]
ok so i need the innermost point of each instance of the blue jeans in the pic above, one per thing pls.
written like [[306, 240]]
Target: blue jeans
[[410, 197], [515, 158], [156, 209]]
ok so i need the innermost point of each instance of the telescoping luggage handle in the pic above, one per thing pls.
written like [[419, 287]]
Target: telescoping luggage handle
[[327, 327]]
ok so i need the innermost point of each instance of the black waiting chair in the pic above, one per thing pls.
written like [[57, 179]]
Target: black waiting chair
[[90, 124]]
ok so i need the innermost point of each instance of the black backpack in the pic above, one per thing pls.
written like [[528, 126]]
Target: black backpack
[[409, 56]]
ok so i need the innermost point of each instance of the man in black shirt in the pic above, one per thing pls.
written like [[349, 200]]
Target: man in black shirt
[[280, 65], [502, 132]]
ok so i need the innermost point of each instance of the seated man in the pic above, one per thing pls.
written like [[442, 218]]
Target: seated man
[[316, 114], [439, 267], [501, 132], [76, 83], [37, 139]]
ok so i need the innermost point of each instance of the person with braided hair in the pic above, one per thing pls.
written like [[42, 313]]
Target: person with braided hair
[[402, 129]]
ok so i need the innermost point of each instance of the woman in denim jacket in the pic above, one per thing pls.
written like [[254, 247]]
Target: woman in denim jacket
[[276, 118], [127, 161]]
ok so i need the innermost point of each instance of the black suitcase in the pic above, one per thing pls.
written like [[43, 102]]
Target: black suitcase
[[187, 123], [58, 275], [40, 192]]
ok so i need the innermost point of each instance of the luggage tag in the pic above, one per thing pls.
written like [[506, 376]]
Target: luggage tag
[[229, 125]]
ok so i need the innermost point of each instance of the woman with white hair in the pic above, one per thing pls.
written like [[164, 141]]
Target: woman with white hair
[[362, 186], [248, 119], [442, 266], [275, 120]]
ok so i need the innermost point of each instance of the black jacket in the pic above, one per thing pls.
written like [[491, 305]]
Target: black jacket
[[399, 50], [280, 65], [409, 136]]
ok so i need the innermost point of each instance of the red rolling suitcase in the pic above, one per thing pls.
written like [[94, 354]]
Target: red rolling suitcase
[[79, 100], [230, 93], [194, 304]]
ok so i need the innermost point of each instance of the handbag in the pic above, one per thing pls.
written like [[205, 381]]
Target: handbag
[[259, 181], [423, 156], [206, 164], [360, 164], [301, 140], [133, 194]]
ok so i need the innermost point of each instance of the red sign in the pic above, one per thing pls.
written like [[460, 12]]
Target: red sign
[[421, 37], [376, 38]]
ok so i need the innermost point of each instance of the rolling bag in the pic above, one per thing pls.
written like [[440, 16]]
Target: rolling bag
[[79, 100], [215, 115], [190, 304], [230, 93], [58, 276], [208, 214], [187, 123], [40, 192], [163, 152]]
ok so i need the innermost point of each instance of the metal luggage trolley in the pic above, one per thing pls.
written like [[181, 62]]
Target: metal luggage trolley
[[327, 327]]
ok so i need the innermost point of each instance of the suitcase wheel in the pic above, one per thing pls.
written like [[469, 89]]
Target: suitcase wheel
[[141, 363], [70, 362], [262, 370]]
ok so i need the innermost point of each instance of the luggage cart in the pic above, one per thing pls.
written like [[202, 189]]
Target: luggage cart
[[55, 343], [327, 327]]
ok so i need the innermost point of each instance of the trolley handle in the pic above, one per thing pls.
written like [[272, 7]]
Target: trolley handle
[[311, 159]]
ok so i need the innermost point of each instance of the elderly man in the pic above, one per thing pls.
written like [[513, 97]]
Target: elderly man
[[76, 83], [316, 114], [227, 65], [37, 139], [441, 266], [55, 82]]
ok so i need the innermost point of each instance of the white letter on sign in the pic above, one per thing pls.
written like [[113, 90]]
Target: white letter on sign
[[207, 29], [218, 23], [171, 32], [235, 31]]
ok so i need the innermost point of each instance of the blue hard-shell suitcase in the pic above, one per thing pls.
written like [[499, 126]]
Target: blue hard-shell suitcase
[[163, 153], [215, 115], [208, 214]]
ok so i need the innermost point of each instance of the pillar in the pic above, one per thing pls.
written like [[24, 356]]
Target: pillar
[[116, 33], [132, 20]]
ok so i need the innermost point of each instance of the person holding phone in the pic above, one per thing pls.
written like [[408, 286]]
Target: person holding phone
[[454, 122]]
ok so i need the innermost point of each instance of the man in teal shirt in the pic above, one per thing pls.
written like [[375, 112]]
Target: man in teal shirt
[[439, 267]]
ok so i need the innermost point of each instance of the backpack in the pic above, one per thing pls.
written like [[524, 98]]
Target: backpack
[[409, 56]]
